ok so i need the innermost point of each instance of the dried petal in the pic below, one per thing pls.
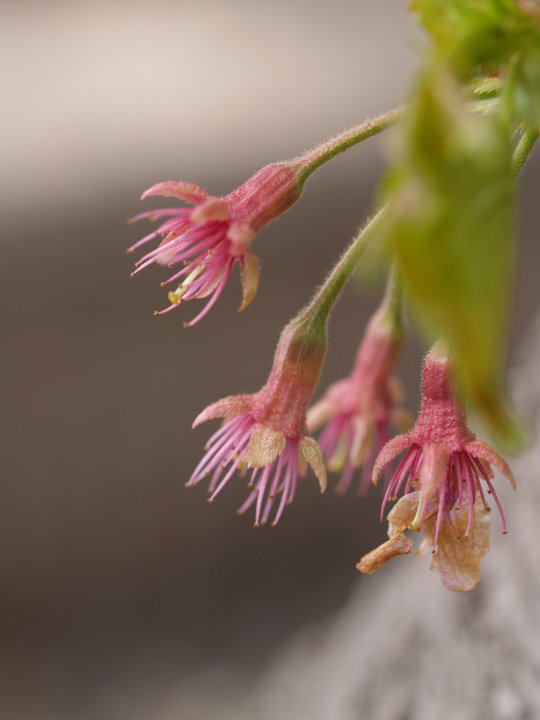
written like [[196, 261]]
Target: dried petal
[[402, 514], [400, 545], [264, 446], [301, 464], [250, 271], [457, 559], [313, 456], [399, 519]]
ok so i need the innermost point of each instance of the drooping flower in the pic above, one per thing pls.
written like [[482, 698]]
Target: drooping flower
[[441, 474], [210, 237], [264, 434], [360, 409]]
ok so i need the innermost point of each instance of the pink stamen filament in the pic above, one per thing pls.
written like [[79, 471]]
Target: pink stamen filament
[[497, 502], [397, 478], [463, 477], [237, 430], [285, 470], [440, 512], [340, 429], [215, 296]]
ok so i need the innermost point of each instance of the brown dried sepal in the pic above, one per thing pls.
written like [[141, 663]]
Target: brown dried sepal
[[399, 519], [458, 557], [250, 271], [312, 455]]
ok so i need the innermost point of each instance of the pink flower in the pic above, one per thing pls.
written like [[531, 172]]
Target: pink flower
[[360, 409], [265, 432], [443, 458], [210, 237], [441, 475]]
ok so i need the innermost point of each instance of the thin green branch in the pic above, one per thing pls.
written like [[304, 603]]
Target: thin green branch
[[392, 303], [313, 159], [523, 148], [486, 92], [319, 308]]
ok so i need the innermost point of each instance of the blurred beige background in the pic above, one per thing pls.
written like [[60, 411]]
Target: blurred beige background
[[123, 594]]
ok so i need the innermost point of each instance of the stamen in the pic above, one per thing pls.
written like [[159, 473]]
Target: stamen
[[499, 506], [415, 524], [440, 512], [212, 302], [399, 475], [261, 486]]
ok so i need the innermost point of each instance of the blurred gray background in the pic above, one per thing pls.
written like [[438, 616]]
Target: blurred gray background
[[123, 594]]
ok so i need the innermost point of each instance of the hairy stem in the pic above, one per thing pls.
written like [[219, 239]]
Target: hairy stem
[[392, 303], [319, 308], [523, 148], [306, 164]]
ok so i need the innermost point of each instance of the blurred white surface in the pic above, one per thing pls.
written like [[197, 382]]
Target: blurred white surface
[[96, 90]]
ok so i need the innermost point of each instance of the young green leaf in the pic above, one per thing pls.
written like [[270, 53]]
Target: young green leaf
[[475, 33], [522, 87], [451, 227]]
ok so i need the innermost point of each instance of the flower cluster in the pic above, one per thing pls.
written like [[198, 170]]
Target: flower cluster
[[442, 480]]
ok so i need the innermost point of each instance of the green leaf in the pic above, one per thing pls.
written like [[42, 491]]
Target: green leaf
[[475, 33], [521, 92], [451, 227]]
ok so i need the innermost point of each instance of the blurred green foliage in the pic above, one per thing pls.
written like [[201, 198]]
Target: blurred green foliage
[[451, 191], [451, 228], [522, 86], [473, 33]]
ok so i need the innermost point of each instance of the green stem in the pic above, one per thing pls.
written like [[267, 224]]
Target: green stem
[[523, 148], [392, 303], [317, 311], [309, 162]]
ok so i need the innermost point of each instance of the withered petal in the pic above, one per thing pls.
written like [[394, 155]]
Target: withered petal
[[313, 456], [398, 545], [265, 445], [250, 270], [399, 519], [458, 557]]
